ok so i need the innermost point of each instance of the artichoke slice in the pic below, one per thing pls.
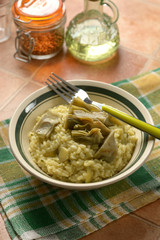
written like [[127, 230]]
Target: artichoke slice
[[108, 150], [90, 115], [46, 124], [92, 137]]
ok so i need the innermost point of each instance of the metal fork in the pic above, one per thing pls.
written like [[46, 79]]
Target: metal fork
[[68, 91]]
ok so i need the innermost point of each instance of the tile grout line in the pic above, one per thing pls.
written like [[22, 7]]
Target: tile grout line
[[15, 75], [29, 78], [146, 65], [150, 59], [26, 79], [37, 83], [140, 53], [145, 220], [156, 52], [18, 91], [13, 96], [41, 65]]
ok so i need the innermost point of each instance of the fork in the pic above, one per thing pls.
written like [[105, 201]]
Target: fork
[[68, 91]]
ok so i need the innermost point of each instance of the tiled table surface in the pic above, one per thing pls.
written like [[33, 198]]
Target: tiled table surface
[[139, 51]]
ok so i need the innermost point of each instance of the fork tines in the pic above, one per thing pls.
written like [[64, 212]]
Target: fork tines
[[61, 87]]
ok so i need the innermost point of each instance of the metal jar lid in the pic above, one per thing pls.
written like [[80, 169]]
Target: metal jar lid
[[38, 13]]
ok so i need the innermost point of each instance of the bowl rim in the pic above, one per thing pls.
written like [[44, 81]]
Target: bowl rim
[[70, 185]]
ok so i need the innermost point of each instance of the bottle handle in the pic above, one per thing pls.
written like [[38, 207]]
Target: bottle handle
[[114, 9]]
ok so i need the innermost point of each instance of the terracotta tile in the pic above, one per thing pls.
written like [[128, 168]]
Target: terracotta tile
[[4, 234], [139, 25], [9, 109], [7, 50], [9, 84], [123, 65], [139, 51], [73, 9], [153, 1], [135, 32], [158, 54], [153, 64], [150, 212], [127, 227]]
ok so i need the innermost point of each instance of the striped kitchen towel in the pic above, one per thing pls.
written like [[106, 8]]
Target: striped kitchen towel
[[32, 209]]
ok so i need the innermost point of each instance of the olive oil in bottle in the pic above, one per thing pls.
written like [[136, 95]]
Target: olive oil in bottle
[[92, 36]]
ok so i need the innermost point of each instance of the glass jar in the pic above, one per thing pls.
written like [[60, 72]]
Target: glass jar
[[5, 20], [40, 28], [93, 36]]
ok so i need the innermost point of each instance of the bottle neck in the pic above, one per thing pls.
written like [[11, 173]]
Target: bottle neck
[[93, 5]]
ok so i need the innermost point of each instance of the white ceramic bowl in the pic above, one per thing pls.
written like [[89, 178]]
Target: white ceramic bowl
[[24, 117]]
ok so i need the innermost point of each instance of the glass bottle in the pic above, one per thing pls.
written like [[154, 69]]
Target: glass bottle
[[40, 28], [93, 36]]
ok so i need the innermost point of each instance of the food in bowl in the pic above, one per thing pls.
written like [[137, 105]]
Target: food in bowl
[[23, 121], [80, 144]]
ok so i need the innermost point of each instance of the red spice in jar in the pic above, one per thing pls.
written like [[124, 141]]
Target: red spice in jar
[[44, 43], [40, 30]]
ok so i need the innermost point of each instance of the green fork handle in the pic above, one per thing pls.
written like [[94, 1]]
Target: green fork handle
[[146, 127]]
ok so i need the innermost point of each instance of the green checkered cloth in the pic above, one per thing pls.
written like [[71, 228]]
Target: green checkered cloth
[[32, 209]]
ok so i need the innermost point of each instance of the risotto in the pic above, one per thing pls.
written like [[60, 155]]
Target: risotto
[[69, 146]]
